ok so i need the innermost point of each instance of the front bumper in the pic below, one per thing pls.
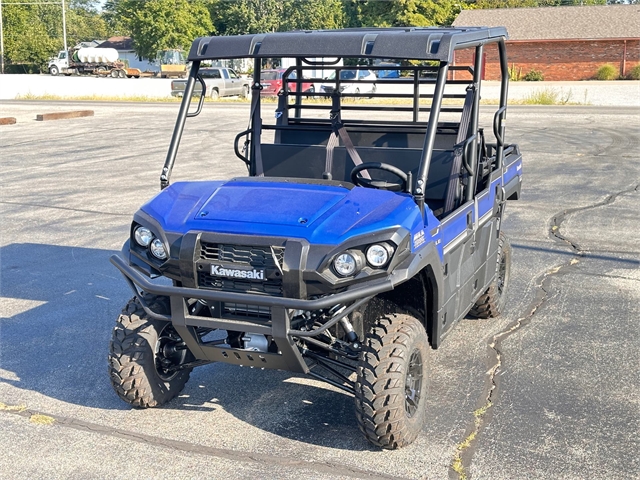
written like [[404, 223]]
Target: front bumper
[[278, 327]]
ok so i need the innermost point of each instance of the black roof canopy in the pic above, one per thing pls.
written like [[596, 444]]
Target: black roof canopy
[[410, 43]]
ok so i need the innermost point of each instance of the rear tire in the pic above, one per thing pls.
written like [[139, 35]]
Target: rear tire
[[491, 303], [141, 373], [215, 94], [392, 381]]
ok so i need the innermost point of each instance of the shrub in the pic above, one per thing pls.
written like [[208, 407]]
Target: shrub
[[515, 73], [607, 72], [634, 74], [534, 76], [22, 68]]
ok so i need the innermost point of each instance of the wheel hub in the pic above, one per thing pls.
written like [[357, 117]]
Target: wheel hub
[[413, 384], [502, 271], [169, 354]]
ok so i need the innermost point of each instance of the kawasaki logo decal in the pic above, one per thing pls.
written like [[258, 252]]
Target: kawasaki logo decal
[[254, 274]]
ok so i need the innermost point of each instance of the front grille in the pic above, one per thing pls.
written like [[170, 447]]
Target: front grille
[[267, 258], [256, 257], [266, 287], [246, 311]]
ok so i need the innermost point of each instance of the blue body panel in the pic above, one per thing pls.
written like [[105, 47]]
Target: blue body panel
[[320, 214]]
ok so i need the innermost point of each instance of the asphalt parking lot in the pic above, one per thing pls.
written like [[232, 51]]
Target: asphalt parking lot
[[548, 390]]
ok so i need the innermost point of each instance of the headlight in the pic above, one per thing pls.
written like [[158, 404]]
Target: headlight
[[345, 264], [143, 236], [378, 255], [157, 249]]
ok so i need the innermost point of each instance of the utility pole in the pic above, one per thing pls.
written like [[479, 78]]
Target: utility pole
[[1, 42], [64, 26]]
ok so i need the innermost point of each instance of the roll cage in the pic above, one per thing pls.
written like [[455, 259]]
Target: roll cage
[[324, 49]]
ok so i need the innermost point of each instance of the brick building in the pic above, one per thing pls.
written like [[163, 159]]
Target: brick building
[[564, 43]]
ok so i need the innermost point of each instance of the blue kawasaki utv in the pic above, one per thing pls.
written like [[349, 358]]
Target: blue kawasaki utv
[[368, 224]]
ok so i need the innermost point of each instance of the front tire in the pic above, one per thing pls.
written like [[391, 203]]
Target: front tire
[[53, 70], [141, 367], [491, 303], [392, 381]]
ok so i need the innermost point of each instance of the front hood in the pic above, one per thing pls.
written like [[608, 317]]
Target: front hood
[[318, 212], [270, 203]]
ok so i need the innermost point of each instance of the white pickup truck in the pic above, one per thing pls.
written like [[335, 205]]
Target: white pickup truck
[[220, 82]]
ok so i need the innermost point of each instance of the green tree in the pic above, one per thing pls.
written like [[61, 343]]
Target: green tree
[[116, 24], [314, 15], [164, 24], [33, 33], [534, 3], [258, 16], [84, 22], [248, 16], [27, 39], [405, 13]]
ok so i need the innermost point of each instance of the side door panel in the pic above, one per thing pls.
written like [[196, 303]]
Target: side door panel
[[470, 238]]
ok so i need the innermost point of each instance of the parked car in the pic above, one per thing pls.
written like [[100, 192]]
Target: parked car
[[353, 82], [220, 82], [391, 72], [271, 81]]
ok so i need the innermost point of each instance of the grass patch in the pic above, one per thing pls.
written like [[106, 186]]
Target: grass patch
[[95, 98], [457, 465], [544, 96], [12, 408], [40, 419], [459, 468], [550, 96]]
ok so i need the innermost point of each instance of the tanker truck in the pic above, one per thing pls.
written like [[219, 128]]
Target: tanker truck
[[91, 61]]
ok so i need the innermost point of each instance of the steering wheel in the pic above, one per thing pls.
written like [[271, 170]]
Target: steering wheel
[[380, 184]]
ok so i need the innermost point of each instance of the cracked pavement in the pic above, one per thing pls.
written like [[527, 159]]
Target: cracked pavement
[[548, 390]]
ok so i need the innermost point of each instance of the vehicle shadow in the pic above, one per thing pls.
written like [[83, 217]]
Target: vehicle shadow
[[58, 310], [289, 405]]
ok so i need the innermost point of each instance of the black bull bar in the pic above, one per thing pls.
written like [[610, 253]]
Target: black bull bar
[[288, 356]]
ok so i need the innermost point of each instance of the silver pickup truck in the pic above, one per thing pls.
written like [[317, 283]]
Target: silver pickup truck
[[220, 82]]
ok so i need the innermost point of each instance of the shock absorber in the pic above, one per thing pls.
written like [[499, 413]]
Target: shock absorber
[[351, 335]]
